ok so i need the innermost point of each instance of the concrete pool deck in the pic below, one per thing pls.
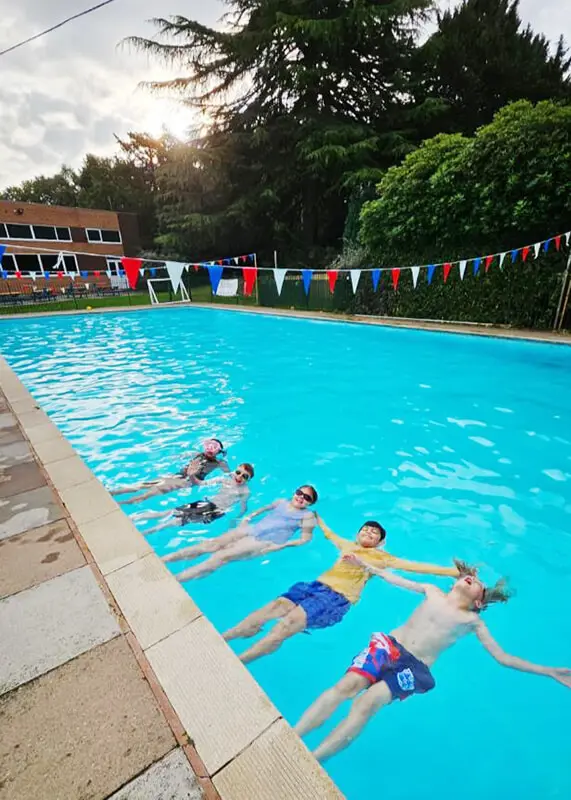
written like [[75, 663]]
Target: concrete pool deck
[[113, 684]]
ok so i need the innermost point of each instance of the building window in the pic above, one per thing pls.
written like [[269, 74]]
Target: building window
[[49, 261], [63, 234], [114, 265], [28, 262], [19, 231], [8, 263], [3, 232], [71, 263], [103, 235], [44, 232]]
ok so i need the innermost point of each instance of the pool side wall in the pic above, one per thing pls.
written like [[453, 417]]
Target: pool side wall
[[236, 736]]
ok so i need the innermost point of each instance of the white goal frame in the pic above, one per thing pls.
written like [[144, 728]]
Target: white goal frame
[[184, 298]]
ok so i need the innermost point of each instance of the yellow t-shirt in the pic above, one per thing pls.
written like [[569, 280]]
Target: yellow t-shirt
[[350, 579]]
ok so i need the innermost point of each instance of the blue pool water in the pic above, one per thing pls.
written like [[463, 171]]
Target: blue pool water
[[460, 446]]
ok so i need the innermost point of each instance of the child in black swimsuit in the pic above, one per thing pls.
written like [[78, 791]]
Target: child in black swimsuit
[[199, 467]]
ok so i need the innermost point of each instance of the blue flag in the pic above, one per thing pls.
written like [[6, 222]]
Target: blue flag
[[2, 251], [4, 274], [153, 272], [546, 245], [476, 266], [215, 274], [84, 274], [430, 273], [514, 255], [376, 275], [306, 274]]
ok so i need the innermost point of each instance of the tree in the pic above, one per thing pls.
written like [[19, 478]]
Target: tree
[[59, 189], [459, 197], [307, 94], [480, 59]]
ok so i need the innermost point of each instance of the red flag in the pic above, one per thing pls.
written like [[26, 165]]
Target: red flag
[[395, 272], [97, 273], [220, 263], [557, 242], [60, 274], [488, 263], [332, 278], [525, 253], [244, 259], [195, 267], [446, 270], [132, 267], [18, 273], [249, 274]]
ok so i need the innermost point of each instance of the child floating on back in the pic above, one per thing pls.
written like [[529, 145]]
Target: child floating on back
[[233, 489], [199, 467]]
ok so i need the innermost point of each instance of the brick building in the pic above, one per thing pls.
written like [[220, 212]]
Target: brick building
[[93, 240]]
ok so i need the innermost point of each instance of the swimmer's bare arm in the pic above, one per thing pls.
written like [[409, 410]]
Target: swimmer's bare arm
[[560, 674], [307, 527], [390, 577], [338, 541], [224, 466], [420, 568], [262, 510]]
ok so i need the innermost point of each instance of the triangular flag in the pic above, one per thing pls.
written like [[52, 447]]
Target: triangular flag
[[488, 263], [220, 263], [131, 267], [153, 271], [4, 274], [476, 266], [415, 271], [567, 237], [306, 275], [524, 253], [141, 272], [536, 248], [376, 276], [2, 251], [243, 259], [279, 277], [249, 274], [60, 274], [97, 273], [236, 260], [215, 274], [355, 275], [514, 255], [174, 271], [72, 275], [446, 271], [502, 256], [557, 242], [395, 272], [84, 274], [546, 245], [430, 273], [462, 268], [332, 279], [33, 275], [195, 267]]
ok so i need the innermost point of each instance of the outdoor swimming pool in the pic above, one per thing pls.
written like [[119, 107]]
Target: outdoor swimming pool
[[460, 446]]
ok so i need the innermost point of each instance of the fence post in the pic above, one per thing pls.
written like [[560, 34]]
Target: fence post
[[563, 299]]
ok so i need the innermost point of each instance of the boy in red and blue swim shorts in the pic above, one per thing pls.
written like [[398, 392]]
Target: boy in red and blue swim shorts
[[387, 660]]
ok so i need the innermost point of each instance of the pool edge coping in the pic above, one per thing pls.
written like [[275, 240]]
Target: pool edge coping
[[222, 746], [483, 329]]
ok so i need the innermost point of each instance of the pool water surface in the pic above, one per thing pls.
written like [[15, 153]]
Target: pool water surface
[[460, 446]]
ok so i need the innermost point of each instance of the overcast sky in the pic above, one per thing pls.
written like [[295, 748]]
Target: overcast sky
[[69, 92]]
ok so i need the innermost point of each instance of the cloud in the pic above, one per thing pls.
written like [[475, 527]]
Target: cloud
[[66, 94]]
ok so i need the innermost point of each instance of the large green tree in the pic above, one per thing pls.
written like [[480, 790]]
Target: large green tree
[[481, 58], [305, 97], [459, 197]]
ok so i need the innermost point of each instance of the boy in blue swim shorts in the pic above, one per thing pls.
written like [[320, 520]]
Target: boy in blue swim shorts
[[397, 665], [324, 602]]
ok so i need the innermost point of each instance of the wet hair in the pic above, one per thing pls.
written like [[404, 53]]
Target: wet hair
[[222, 448], [500, 592], [371, 523], [313, 491], [248, 467]]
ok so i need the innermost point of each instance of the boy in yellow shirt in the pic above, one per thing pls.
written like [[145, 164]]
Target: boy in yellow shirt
[[325, 602]]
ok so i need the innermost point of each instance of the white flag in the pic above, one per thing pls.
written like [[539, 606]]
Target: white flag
[[536, 247], [236, 260], [415, 271], [107, 272], [142, 271], [567, 235], [279, 277], [174, 270], [462, 268], [355, 275], [33, 276], [72, 275], [502, 256]]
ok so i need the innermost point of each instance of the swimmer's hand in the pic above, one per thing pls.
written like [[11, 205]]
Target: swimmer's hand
[[351, 558], [561, 675]]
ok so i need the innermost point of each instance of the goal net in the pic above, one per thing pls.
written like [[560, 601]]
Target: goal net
[[160, 291]]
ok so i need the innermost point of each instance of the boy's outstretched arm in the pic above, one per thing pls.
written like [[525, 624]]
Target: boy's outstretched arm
[[418, 567], [338, 541], [389, 577], [560, 674]]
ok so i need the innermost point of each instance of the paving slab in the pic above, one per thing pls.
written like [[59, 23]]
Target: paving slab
[[168, 779], [81, 731], [22, 512], [114, 541], [88, 501], [277, 766], [48, 625], [67, 472], [16, 453], [20, 478], [9, 435], [152, 602], [219, 703], [36, 556], [7, 420]]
